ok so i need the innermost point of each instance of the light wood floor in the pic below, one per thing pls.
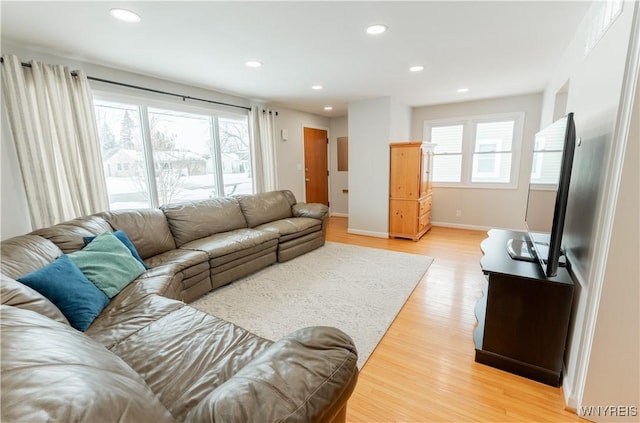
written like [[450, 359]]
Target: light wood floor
[[423, 370]]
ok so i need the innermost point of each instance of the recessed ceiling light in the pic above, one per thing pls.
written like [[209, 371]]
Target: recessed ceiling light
[[417, 68], [463, 90], [316, 87], [376, 29], [253, 63], [125, 15], [328, 108]]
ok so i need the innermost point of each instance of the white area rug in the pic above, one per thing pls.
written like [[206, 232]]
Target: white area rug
[[356, 289]]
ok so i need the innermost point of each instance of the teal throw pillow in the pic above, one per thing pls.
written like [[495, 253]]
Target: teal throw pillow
[[68, 288], [107, 263], [122, 236]]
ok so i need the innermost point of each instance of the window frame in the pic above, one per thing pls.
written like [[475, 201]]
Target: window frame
[[469, 124], [143, 104]]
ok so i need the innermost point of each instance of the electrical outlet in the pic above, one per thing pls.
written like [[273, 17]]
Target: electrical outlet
[[458, 213]]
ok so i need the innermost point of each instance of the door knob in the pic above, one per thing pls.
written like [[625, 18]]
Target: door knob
[[307, 179]]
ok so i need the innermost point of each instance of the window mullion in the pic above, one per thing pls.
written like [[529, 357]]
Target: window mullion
[[148, 156], [217, 154], [468, 146]]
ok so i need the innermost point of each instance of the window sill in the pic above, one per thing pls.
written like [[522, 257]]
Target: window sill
[[477, 186]]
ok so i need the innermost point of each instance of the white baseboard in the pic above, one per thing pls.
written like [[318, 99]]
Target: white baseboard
[[340, 214], [368, 233], [461, 226]]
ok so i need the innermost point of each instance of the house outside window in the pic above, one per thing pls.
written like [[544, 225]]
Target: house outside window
[[160, 155], [476, 151]]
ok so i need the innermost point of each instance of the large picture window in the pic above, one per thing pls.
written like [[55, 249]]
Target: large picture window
[[479, 151], [154, 156]]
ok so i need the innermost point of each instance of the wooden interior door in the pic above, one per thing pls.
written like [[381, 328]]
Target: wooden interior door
[[316, 167]]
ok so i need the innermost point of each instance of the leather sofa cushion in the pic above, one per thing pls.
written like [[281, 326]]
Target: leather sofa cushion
[[187, 354], [147, 229], [232, 242], [174, 261], [26, 253], [128, 312], [193, 220], [69, 236], [291, 226], [17, 294], [313, 210], [264, 207], [59, 374], [312, 368]]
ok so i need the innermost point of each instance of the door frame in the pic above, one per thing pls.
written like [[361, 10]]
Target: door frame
[[304, 185]]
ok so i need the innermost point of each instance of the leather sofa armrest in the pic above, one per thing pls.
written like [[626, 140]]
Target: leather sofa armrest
[[306, 376], [314, 210]]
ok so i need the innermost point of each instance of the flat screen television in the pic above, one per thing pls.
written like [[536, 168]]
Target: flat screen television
[[548, 195]]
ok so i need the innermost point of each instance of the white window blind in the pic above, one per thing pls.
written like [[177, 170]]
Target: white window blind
[[447, 155], [547, 157], [493, 152]]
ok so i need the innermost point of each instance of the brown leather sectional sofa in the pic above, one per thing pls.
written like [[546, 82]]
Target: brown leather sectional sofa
[[148, 356]]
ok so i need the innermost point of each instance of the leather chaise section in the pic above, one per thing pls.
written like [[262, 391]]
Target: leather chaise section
[[130, 310], [316, 360], [53, 373], [198, 352]]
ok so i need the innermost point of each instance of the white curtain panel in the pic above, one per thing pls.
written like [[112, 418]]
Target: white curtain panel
[[54, 129], [263, 124]]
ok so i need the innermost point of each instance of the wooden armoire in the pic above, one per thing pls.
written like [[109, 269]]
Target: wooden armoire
[[410, 189]]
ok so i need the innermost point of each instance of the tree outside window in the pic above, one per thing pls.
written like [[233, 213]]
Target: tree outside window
[[188, 156]]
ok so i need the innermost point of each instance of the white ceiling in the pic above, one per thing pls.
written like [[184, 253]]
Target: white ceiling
[[492, 48]]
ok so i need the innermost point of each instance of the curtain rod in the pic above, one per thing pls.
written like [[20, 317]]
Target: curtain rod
[[137, 87]]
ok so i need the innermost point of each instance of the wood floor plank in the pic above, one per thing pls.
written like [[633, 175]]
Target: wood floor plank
[[423, 370]]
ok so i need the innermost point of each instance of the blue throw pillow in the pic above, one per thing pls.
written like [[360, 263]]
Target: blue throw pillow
[[122, 236], [68, 288]]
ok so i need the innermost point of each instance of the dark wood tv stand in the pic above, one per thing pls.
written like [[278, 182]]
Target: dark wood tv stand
[[523, 316]]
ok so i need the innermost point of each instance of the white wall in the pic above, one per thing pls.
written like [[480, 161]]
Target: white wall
[[479, 206], [373, 124], [338, 181], [595, 86], [290, 153], [613, 376]]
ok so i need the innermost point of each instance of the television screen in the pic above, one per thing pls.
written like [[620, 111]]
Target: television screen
[[549, 190]]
